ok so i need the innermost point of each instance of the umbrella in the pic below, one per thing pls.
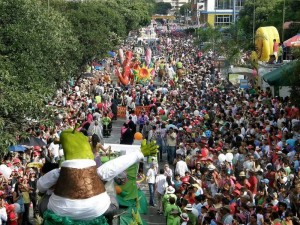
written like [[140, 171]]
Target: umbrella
[[171, 126], [16, 148], [33, 141], [112, 54], [293, 41]]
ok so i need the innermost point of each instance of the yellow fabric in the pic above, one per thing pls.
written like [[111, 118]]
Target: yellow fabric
[[264, 42], [98, 99], [26, 197]]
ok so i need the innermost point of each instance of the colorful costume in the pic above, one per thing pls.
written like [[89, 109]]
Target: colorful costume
[[79, 195]]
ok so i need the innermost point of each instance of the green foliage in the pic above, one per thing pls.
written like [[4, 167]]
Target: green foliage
[[162, 8], [101, 25], [228, 43], [184, 8], [42, 47], [264, 9], [38, 53], [270, 13]]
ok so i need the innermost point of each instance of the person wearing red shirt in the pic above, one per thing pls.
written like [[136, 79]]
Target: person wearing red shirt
[[11, 214], [190, 196], [270, 175], [253, 181]]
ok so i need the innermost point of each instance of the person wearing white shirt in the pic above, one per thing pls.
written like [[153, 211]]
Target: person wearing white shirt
[[3, 213], [151, 183], [181, 167], [54, 151], [160, 185]]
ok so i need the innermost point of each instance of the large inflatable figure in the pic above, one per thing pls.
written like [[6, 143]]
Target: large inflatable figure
[[79, 195], [124, 77], [264, 42]]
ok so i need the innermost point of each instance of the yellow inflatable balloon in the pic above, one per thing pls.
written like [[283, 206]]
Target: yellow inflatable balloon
[[264, 42]]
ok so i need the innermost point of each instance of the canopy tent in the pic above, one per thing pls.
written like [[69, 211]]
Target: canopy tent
[[293, 41], [279, 77]]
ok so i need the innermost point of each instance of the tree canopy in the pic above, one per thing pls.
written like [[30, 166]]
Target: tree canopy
[[162, 8], [38, 52], [270, 13], [184, 8], [42, 47], [228, 42]]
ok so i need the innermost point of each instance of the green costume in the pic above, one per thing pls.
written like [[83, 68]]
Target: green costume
[[170, 215], [165, 200]]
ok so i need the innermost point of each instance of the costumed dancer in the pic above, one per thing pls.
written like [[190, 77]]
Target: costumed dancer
[[79, 195]]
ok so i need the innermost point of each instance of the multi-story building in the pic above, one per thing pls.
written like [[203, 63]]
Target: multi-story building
[[215, 12]]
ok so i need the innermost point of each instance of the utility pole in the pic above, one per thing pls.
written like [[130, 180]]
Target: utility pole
[[283, 20], [234, 19], [253, 22]]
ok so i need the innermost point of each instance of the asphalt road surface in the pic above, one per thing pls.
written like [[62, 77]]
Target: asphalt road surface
[[152, 218]]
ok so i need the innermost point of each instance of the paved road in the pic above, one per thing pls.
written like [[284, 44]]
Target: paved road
[[152, 218]]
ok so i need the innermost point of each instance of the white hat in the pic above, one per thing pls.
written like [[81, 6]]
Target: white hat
[[211, 167], [184, 217], [170, 190], [189, 207]]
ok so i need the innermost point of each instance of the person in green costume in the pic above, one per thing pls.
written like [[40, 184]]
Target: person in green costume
[[172, 211], [169, 193]]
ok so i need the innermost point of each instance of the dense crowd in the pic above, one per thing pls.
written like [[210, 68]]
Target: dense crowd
[[232, 155]]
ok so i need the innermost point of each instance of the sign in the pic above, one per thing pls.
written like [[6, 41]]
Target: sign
[[235, 78], [244, 83]]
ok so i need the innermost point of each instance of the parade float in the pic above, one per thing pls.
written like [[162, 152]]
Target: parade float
[[132, 70], [84, 194], [264, 42]]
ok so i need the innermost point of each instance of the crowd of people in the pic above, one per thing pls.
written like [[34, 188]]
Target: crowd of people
[[231, 155]]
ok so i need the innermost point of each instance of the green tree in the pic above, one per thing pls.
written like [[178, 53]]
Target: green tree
[[101, 25], [162, 8], [38, 52], [270, 13], [290, 14], [184, 8], [263, 9], [229, 43]]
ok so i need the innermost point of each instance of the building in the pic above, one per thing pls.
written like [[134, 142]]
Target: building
[[215, 12]]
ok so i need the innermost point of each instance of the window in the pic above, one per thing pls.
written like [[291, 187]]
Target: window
[[239, 4], [223, 20], [223, 4]]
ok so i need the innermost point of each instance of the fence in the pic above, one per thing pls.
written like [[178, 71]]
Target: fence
[[138, 110]]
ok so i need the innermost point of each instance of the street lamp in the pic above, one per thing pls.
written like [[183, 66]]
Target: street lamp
[[253, 22]]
